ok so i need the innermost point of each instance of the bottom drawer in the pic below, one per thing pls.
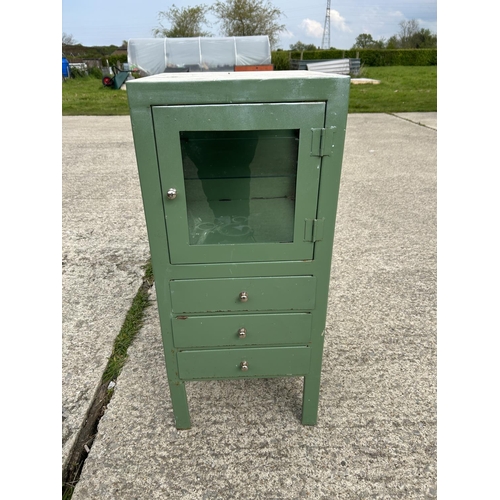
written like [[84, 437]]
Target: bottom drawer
[[230, 363]]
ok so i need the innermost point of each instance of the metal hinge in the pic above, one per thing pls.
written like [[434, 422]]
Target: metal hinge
[[313, 230], [322, 141]]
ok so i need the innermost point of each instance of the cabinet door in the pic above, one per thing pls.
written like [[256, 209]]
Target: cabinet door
[[238, 180]]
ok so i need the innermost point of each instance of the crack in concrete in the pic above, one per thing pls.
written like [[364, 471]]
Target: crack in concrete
[[412, 121], [85, 438]]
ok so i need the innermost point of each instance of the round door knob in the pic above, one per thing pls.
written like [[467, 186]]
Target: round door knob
[[242, 333], [243, 296], [244, 366], [172, 193]]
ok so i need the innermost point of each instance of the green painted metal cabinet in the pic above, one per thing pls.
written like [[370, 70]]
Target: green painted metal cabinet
[[240, 178]]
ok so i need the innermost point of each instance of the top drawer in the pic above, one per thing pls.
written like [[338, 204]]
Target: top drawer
[[284, 293]]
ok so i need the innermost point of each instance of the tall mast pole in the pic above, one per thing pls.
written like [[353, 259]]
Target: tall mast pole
[[325, 42]]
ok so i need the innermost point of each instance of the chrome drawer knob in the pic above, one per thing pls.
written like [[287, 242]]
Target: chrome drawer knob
[[172, 193], [243, 296], [244, 366], [242, 333]]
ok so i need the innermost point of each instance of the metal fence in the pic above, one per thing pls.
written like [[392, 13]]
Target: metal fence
[[339, 66]]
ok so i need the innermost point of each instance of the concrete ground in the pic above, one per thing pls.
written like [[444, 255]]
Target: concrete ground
[[105, 246], [376, 433]]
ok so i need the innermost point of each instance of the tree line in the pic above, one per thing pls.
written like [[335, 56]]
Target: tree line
[[261, 17], [410, 36]]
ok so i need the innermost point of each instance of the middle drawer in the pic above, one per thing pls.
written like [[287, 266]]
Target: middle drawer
[[241, 330], [280, 293]]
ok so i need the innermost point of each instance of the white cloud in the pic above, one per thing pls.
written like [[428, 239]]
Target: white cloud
[[396, 13], [337, 21], [312, 28]]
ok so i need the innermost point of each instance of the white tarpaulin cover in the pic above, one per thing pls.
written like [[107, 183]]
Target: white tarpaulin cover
[[159, 55]]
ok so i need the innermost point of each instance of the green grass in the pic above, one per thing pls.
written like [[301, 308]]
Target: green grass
[[401, 89], [131, 326], [88, 96]]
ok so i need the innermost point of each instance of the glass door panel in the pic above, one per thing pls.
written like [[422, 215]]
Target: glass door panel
[[240, 185], [244, 177]]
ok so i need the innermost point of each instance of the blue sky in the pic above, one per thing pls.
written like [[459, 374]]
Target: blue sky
[[110, 22]]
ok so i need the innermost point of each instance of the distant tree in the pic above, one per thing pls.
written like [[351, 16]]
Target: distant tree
[[184, 22], [407, 30], [424, 39], [363, 40], [249, 18], [366, 41], [411, 36], [68, 39], [300, 46], [393, 42]]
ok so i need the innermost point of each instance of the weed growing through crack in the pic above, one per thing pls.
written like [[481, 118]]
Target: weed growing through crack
[[131, 326]]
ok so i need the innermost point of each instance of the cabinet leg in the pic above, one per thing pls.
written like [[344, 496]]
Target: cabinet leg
[[180, 405], [310, 399]]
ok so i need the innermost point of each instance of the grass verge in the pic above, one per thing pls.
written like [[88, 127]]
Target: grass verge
[[131, 326], [401, 89], [88, 96]]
